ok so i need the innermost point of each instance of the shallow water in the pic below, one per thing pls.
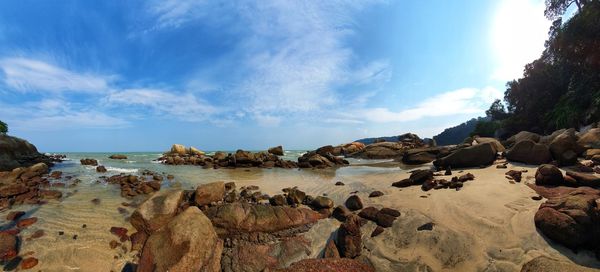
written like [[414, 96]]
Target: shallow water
[[90, 250]]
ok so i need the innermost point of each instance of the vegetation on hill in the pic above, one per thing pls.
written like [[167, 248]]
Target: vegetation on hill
[[561, 89], [3, 127], [457, 134]]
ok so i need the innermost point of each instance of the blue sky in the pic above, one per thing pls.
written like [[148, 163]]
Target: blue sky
[[142, 75]]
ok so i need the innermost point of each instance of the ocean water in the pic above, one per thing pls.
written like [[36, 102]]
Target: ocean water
[[84, 244]]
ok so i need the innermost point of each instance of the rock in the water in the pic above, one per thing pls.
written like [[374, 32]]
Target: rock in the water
[[473, 156], [186, 243], [354, 203], [349, 238], [101, 169], [548, 174], [328, 265], [117, 157], [156, 211], [209, 193], [91, 162], [234, 218], [8, 246], [529, 152], [14, 215], [378, 230], [178, 149], [29, 263], [278, 150], [545, 264]]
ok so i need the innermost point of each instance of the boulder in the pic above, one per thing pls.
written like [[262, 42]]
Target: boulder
[[87, 161], [156, 211], [403, 183], [350, 148], [186, 243], [421, 176], [249, 257], [195, 151], [209, 193], [585, 179], [349, 239], [35, 170], [278, 200], [117, 157], [322, 202], [522, 136], [101, 169], [529, 152], [278, 150], [331, 250], [8, 246], [235, 218], [590, 153], [16, 152], [473, 156], [565, 149], [572, 220], [590, 139], [178, 149], [383, 150], [548, 174], [421, 155], [354, 203], [341, 213], [328, 265], [482, 140]]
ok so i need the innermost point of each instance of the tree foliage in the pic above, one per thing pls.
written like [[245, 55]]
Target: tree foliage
[[562, 88], [3, 127]]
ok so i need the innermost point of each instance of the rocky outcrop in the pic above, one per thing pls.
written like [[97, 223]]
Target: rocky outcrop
[[321, 158], [188, 242], [132, 185], [16, 152], [529, 152], [250, 257], [522, 136], [24, 185], [8, 246], [156, 211], [209, 193], [572, 220], [117, 157], [545, 264], [472, 156], [382, 150], [482, 140], [423, 155], [277, 150], [565, 148], [236, 218], [90, 162]]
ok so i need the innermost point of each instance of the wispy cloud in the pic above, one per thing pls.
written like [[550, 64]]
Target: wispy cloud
[[30, 75], [184, 106]]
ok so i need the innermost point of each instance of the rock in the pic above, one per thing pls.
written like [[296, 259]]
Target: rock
[[466, 177], [23, 223], [56, 174], [590, 153], [349, 238], [186, 243], [13, 190], [235, 218], [120, 232], [482, 140], [515, 175], [391, 212], [522, 136], [8, 246], [545, 264], [382, 150], [354, 203], [428, 185], [529, 152], [16, 152], [295, 196], [195, 151], [537, 197], [37, 234], [341, 213], [178, 149], [91, 162], [416, 157], [590, 139], [331, 250], [473, 156], [328, 265], [138, 239], [209, 193], [385, 220], [376, 194], [548, 174], [35, 170], [585, 179], [278, 200], [339, 183], [117, 157], [572, 219], [378, 230], [278, 150], [101, 169], [369, 213], [403, 183], [265, 257], [426, 226], [321, 202], [14, 215], [421, 176], [29, 263], [156, 211], [564, 148]]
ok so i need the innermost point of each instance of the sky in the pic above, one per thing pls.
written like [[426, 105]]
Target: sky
[[221, 75]]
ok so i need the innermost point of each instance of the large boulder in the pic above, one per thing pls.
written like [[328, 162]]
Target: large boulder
[[522, 136], [349, 239], [15, 152], [209, 193], [156, 211], [422, 155], [186, 243], [548, 174], [529, 152], [195, 151], [482, 140], [383, 150], [178, 149], [590, 139], [278, 150], [473, 156], [584, 179], [118, 157], [564, 148], [351, 148], [235, 218], [253, 257], [572, 220]]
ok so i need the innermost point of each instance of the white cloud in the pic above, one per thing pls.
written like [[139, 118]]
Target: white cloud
[[26, 75], [56, 114], [461, 101], [185, 106], [518, 33]]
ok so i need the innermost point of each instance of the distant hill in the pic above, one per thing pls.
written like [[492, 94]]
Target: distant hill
[[457, 134], [372, 140]]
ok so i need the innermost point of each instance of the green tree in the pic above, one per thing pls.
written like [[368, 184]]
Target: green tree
[[556, 8], [496, 111], [3, 127]]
